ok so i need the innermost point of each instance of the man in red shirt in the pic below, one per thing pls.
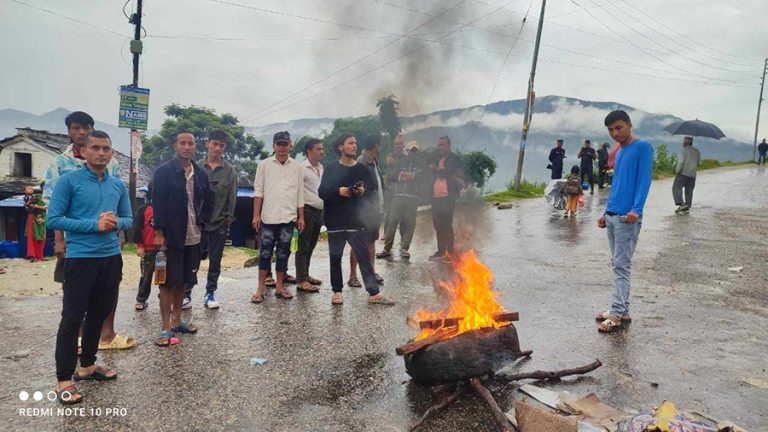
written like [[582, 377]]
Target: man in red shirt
[[144, 237]]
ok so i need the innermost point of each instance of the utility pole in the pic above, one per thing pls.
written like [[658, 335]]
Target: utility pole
[[136, 49], [529, 100], [759, 105]]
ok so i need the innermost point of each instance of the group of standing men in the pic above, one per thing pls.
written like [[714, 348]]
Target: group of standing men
[[587, 156]]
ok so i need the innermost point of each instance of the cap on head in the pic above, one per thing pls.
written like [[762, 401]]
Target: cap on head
[[281, 137], [587, 142], [412, 145], [559, 141]]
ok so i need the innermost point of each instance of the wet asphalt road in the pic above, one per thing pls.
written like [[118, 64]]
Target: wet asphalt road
[[699, 329]]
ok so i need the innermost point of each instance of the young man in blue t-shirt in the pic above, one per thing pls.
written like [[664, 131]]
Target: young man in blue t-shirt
[[624, 212], [90, 205]]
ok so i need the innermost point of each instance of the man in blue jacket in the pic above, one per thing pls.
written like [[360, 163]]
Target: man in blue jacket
[[624, 212], [90, 205], [183, 202]]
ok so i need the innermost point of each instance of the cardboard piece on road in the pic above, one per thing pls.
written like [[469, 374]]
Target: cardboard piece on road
[[756, 382], [596, 412], [547, 397], [531, 419]]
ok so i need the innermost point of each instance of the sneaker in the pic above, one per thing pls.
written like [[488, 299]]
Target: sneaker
[[682, 208], [404, 254], [210, 301], [437, 256], [337, 298], [381, 299], [384, 255], [685, 208], [187, 303]]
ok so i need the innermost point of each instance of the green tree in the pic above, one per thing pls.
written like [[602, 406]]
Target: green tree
[[665, 163], [365, 129], [388, 115], [478, 167], [243, 149]]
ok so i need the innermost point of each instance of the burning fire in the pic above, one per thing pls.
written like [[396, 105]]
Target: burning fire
[[471, 298]]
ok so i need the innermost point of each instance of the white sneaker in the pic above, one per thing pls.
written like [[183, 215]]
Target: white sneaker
[[210, 301], [186, 303]]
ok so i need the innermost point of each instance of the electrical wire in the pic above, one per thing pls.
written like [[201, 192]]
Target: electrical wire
[[349, 65], [476, 124], [680, 56], [370, 71], [640, 47], [87, 24]]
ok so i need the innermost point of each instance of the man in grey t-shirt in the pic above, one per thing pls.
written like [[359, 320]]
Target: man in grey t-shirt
[[687, 164]]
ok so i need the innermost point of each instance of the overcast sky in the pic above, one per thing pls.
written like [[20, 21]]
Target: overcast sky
[[683, 57]]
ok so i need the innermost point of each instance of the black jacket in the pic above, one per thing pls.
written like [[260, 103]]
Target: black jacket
[[169, 201], [339, 212], [602, 157], [556, 156]]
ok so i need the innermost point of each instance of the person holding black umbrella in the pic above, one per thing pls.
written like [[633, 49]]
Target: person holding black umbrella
[[685, 175]]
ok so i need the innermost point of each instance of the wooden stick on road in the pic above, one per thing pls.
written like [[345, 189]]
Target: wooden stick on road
[[548, 375]]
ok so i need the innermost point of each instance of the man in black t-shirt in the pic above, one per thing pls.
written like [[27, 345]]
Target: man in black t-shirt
[[342, 187], [763, 149], [556, 156]]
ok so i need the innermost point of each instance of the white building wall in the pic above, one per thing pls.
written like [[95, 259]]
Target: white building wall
[[41, 159]]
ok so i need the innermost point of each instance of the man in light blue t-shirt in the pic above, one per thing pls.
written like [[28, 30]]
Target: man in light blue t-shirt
[[623, 216]]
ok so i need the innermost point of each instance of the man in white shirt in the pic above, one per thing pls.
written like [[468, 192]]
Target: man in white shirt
[[278, 208], [313, 214]]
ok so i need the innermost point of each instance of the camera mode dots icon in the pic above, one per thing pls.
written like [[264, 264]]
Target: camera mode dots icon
[[23, 396], [38, 396]]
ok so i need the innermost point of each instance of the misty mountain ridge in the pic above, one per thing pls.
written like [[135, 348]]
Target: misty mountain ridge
[[494, 128]]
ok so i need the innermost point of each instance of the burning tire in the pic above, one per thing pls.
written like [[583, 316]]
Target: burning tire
[[472, 354]]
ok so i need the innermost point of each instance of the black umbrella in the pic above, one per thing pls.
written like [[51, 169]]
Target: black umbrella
[[695, 128]]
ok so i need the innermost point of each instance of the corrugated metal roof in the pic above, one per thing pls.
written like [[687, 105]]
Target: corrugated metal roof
[[14, 201]]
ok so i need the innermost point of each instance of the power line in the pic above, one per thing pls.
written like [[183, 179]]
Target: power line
[[686, 47], [667, 49], [638, 46], [338, 71], [498, 77], [382, 65], [85, 23], [690, 39]]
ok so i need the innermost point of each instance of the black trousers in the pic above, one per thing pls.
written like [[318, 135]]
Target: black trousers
[[761, 159], [601, 176], [313, 221], [557, 172], [90, 290], [212, 245], [442, 220], [358, 241], [587, 174], [147, 266]]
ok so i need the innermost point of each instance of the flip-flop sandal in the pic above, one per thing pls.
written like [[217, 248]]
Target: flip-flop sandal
[[289, 279], [166, 339], [119, 342], [309, 288], [185, 327], [257, 298], [69, 395], [354, 283], [285, 295], [314, 281], [609, 326], [140, 306], [270, 282], [98, 374], [605, 315]]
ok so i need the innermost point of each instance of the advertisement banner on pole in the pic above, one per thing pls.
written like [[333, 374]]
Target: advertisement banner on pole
[[134, 108]]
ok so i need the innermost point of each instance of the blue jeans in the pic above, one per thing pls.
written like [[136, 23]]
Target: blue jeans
[[622, 238], [272, 234]]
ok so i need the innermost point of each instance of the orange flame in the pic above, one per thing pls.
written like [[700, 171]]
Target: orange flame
[[471, 298]]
